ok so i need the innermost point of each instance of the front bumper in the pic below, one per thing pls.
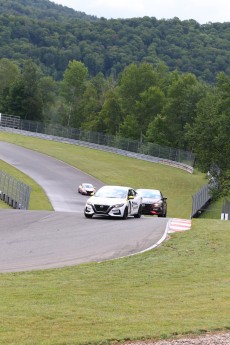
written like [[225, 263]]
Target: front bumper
[[150, 209], [86, 192], [104, 210]]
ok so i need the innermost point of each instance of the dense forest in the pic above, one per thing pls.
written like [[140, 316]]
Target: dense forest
[[53, 35], [166, 81]]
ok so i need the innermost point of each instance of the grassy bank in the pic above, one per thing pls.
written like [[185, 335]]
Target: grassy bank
[[38, 198], [177, 185], [181, 287]]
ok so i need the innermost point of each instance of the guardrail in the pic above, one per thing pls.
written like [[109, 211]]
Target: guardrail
[[113, 149], [14, 192]]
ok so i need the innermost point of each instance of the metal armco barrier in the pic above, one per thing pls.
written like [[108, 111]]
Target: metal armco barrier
[[225, 213], [132, 148], [14, 192]]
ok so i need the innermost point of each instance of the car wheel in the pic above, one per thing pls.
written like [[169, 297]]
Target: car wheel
[[125, 215], [138, 215], [88, 215]]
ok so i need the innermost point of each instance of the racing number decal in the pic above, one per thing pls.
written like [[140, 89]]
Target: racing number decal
[[130, 207]]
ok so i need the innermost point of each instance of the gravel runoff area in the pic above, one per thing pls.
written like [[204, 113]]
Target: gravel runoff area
[[219, 338]]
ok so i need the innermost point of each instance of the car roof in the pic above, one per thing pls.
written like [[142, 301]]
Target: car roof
[[148, 189], [120, 187]]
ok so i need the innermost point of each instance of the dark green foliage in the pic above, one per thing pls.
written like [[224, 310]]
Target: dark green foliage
[[209, 134], [53, 35], [158, 81], [41, 9]]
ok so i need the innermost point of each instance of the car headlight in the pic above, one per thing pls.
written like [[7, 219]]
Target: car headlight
[[157, 204], [89, 203], [118, 205]]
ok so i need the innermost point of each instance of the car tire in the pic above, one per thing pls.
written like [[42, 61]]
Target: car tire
[[165, 213], [138, 215], [125, 214], [88, 215]]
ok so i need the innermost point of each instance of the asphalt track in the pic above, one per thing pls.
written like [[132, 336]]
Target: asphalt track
[[32, 240]]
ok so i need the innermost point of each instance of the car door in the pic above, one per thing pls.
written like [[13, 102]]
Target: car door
[[134, 201]]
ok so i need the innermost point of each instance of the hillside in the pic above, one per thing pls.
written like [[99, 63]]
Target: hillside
[[41, 10], [52, 35]]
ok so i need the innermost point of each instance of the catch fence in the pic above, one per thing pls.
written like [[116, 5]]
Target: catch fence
[[200, 201], [116, 144], [202, 198], [14, 192], [9, 121]]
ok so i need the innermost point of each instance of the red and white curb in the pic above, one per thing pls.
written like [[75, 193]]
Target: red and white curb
[[178, 225]]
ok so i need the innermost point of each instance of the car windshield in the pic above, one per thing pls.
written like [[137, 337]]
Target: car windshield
[[151, 194], [87, 185], [111, 193]]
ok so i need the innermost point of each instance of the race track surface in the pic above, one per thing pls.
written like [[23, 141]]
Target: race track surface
[[59, 180], [31, 240]]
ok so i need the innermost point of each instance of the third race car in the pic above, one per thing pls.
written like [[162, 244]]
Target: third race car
[[153, 202], [86, 189]]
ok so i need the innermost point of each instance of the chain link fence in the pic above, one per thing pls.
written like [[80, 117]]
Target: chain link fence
[[202, 198], [162, 154], [14, 192], [9, 121]]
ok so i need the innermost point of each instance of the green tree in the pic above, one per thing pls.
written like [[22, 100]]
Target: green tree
[[49, 95], [134, 80], [91, 107], [130, 128], [157, 131], [209, 134], [110, 116], [150, 104], [9, 73], [181, 107], [24, 97], [73, 87]]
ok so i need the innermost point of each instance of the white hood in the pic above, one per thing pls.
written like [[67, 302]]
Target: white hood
[[106, 201]]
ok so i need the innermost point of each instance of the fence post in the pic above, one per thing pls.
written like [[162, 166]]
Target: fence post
[[225, 214]]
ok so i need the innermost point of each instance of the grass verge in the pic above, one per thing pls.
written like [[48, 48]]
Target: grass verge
[[38, 198], [182, 287], [177, 185]]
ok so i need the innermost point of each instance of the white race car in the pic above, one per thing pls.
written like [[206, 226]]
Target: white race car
[[114, 201]]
